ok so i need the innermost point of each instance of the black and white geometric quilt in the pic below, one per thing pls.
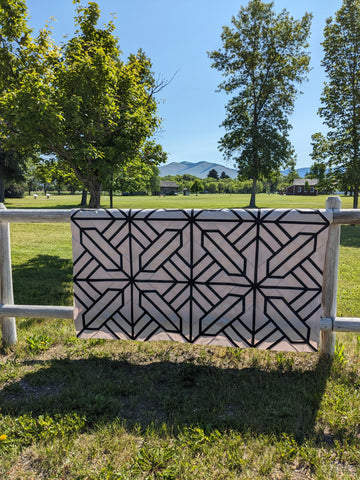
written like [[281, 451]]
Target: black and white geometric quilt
[[241, 278]]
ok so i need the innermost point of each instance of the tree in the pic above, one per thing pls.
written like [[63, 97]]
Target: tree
[[55, 171], [87, 106], [329, 178], [223, 175], [44, 174], [136, 175], [12, 169], [292, 173], [31, 180], [213, 174], [340, 98], [197, 186], [14, 34], [155, 182], [264, 57], [212, 187], [317, 170], [271, 183]]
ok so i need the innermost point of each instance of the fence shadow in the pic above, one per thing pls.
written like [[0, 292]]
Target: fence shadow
[[43, 280], [178, 394], [350, 236]]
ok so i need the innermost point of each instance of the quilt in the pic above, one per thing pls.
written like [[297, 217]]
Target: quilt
[[232, 277]]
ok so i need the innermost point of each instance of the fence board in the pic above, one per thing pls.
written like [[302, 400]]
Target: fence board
[[342, 217]]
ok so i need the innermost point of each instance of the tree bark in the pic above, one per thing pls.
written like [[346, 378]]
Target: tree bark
[[253, 194], [2, 188], [95, 193], [83, 198], [356, 197]]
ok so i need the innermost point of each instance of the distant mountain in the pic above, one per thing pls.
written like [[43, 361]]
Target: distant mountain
[[201, 169], [301, 171]]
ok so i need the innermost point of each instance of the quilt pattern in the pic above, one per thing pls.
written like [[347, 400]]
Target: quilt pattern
[[233, 277]]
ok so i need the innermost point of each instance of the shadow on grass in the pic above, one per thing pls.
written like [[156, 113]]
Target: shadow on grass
[[350, 236], [53, 206], [45, 206], [43, 280], [177, 394]]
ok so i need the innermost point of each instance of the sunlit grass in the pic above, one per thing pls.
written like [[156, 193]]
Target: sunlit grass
[[122, 410], [179, 201]]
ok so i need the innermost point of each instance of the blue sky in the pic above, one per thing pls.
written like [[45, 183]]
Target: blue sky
[[177, 36]]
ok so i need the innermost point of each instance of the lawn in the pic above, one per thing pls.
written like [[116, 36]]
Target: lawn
[[72, 409], [179, 201]]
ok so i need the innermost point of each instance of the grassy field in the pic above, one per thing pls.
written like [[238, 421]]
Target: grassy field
[[179, 201], [72, 409]]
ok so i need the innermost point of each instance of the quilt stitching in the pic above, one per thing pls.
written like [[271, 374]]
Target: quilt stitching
[[242, 278]]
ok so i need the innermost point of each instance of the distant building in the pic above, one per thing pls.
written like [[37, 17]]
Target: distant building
[[298, 187], [168, 188]]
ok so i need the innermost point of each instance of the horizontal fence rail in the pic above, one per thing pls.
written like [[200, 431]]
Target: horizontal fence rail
[[329, 324], [36, 311], [35, 216], [335, 324], [341, 217]]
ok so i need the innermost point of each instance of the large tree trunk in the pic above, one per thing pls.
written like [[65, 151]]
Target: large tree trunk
[[83, 198], [356, 197], [95, 193], [253, 194], [2, 188]]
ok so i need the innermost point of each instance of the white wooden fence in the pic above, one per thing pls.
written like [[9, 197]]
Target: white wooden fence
[[8, 311]]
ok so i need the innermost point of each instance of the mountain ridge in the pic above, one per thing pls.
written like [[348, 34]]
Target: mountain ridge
[[201, 169]]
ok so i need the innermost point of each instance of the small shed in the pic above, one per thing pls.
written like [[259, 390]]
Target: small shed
[[299, 187], [168, 188]]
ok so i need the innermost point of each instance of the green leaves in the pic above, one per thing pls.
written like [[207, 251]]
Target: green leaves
[[80, 101], [341, 95], [263, 59]]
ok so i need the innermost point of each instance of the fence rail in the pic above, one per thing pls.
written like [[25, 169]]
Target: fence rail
[[8, 311], [340, 217], [334, 324]]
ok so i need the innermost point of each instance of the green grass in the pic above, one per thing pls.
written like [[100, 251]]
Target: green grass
[[72, 409], [179, 201]]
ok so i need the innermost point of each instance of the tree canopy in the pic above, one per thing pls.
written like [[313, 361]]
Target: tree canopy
[[213, 174], [340, 110], [83, 103], [264, 58], [14, 34]]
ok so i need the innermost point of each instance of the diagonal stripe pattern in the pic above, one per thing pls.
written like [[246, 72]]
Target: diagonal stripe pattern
[[241, 278]]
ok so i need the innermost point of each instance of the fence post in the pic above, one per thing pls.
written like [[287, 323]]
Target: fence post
[[327, 338], [8, 324]]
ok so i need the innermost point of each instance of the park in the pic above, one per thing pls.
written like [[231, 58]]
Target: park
[[255, 371], [152, 409]]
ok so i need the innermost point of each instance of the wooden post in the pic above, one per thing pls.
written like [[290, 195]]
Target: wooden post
[[327, 338], [8, 324]]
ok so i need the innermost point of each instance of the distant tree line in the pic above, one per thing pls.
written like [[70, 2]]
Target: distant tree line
[[224, 184], [46, 177]]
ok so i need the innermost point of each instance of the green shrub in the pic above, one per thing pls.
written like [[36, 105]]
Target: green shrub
[[15, 191]]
